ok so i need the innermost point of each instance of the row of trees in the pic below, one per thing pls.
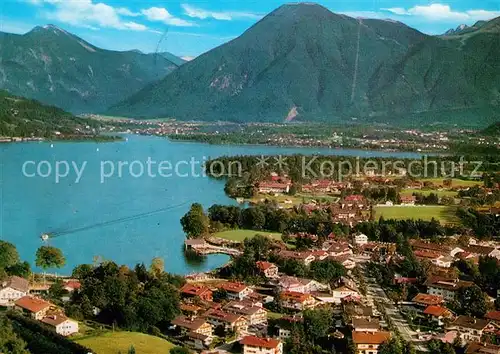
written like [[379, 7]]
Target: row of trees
[[484, 225], [197, 223], [302, 168]]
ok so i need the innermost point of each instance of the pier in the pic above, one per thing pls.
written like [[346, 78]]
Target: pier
[[201, 247]]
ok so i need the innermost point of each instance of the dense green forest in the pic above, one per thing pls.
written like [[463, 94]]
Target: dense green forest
[[22, 117]]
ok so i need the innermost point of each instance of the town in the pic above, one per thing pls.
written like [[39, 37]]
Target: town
[[357, 266]]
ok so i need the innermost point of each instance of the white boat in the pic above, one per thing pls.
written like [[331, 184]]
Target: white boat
[[45, 237], [51, 145]]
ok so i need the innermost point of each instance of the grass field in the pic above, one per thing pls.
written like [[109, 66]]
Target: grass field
[[114, 342], [241, 235], [455, 182], [444, 214], [427, 192]]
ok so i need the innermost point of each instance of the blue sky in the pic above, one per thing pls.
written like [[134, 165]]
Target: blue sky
[[196, 26]]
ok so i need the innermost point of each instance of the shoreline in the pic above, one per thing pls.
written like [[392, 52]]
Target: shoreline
[[422, 153]]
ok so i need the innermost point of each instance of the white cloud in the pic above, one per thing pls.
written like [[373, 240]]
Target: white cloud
[[85, 13], [162, 15], [439, 12], [196, 12], [126, 12]]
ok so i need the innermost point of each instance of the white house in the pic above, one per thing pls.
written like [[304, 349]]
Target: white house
[[360, 239], [257, 345], [12, 289], [342, 292], [62, 324]]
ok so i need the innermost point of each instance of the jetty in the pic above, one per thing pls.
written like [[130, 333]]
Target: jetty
[[202, 247]]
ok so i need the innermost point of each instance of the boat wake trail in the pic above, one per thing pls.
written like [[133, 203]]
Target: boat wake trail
[[114, 222]]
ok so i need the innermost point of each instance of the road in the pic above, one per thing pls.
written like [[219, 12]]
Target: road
[[374, 294]]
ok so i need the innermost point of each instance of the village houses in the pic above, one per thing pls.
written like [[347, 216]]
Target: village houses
[[12, 289], [257, 345]]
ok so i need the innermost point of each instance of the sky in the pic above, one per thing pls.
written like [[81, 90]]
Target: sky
[[189, 28]]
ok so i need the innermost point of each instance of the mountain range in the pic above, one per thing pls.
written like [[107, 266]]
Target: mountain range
[[303, 58], [58, 68]]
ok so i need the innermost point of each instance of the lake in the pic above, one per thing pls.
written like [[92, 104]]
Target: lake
[[98, 211]]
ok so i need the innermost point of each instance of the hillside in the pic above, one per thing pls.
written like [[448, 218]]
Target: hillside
[[492, 130], [330, 67], [20, 117], [59, 68]]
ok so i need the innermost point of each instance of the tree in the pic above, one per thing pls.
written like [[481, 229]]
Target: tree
[[49, 257], [327, 270], [471, 301], [9, 341], [157, 266], [195, 222], [131, 350], [81, 271], [8, 255], [392, 346], [56, 290], [21, 269], [317, 323], [180, 350]]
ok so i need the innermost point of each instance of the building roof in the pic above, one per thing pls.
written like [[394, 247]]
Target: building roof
[[471, 322], [295, 254], [408, 198], [276, 185], [242, 308], [222, 315], [194, 290], [233, 287], [437, 311], [354, 198], [262, 265], [482, 348], [73, 284], [427, 254], [481, 250], [447, 283], [427, 299], [370, 323], [196, 335], [16, 283], [493, 315], [426, 245], [55, 320], [32, 304], [370, 337], [358, 310], [186, 322], [254, 341], [190, 308], [294, 296]]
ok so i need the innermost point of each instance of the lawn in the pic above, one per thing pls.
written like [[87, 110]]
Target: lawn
[[444, 214], [455, 182], [241, 235], [114, 342], [426, 192]]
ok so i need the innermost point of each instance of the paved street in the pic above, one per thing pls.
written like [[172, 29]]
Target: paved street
[[375, 293]]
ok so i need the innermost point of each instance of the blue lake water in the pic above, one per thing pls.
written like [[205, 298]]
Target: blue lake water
[[30, 206]]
